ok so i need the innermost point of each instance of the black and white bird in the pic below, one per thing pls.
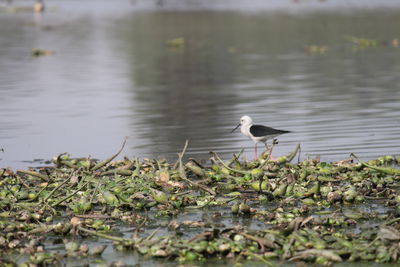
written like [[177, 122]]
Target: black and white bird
[[257, 133]]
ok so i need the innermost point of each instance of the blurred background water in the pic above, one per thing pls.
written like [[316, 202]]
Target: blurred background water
[[294, 65]]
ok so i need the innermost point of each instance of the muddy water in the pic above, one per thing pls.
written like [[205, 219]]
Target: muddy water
[[113, 75]]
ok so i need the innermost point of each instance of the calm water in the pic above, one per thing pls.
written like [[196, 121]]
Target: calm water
[[113, 76]]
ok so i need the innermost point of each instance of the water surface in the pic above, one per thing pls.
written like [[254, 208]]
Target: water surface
[[113, 75]]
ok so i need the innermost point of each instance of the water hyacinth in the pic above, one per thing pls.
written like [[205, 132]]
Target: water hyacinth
[[305, 211]]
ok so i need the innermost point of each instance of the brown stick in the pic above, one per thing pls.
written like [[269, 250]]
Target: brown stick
[[182, 173], [105, 162], [35, 174]]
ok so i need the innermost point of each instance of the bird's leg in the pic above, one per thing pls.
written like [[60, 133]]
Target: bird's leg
[[270, 149], [255, 151], [274, 142]]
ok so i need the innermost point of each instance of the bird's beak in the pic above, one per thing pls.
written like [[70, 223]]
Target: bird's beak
[[235, 128]]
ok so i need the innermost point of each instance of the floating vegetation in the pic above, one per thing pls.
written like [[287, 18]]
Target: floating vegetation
[[358, 44], [316, 49], [364, 43], [177, 43], [310, 211]]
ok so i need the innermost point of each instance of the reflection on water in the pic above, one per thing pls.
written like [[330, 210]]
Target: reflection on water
[[113, 76]]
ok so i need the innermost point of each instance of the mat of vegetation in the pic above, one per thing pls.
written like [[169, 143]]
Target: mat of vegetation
[[309, 211]]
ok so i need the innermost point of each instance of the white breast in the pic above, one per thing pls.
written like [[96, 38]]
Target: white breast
[[245, 129]]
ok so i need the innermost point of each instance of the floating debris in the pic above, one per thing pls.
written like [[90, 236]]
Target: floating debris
[[394, 42], [310, 211], [36, 52], [316, 49], [39, 6]]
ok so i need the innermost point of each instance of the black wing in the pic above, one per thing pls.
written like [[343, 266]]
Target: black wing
[[261, 130]]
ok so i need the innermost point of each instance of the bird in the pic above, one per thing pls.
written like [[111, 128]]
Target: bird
[[257, 133]]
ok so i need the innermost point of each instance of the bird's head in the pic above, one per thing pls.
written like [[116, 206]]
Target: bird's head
[[244, 120]]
